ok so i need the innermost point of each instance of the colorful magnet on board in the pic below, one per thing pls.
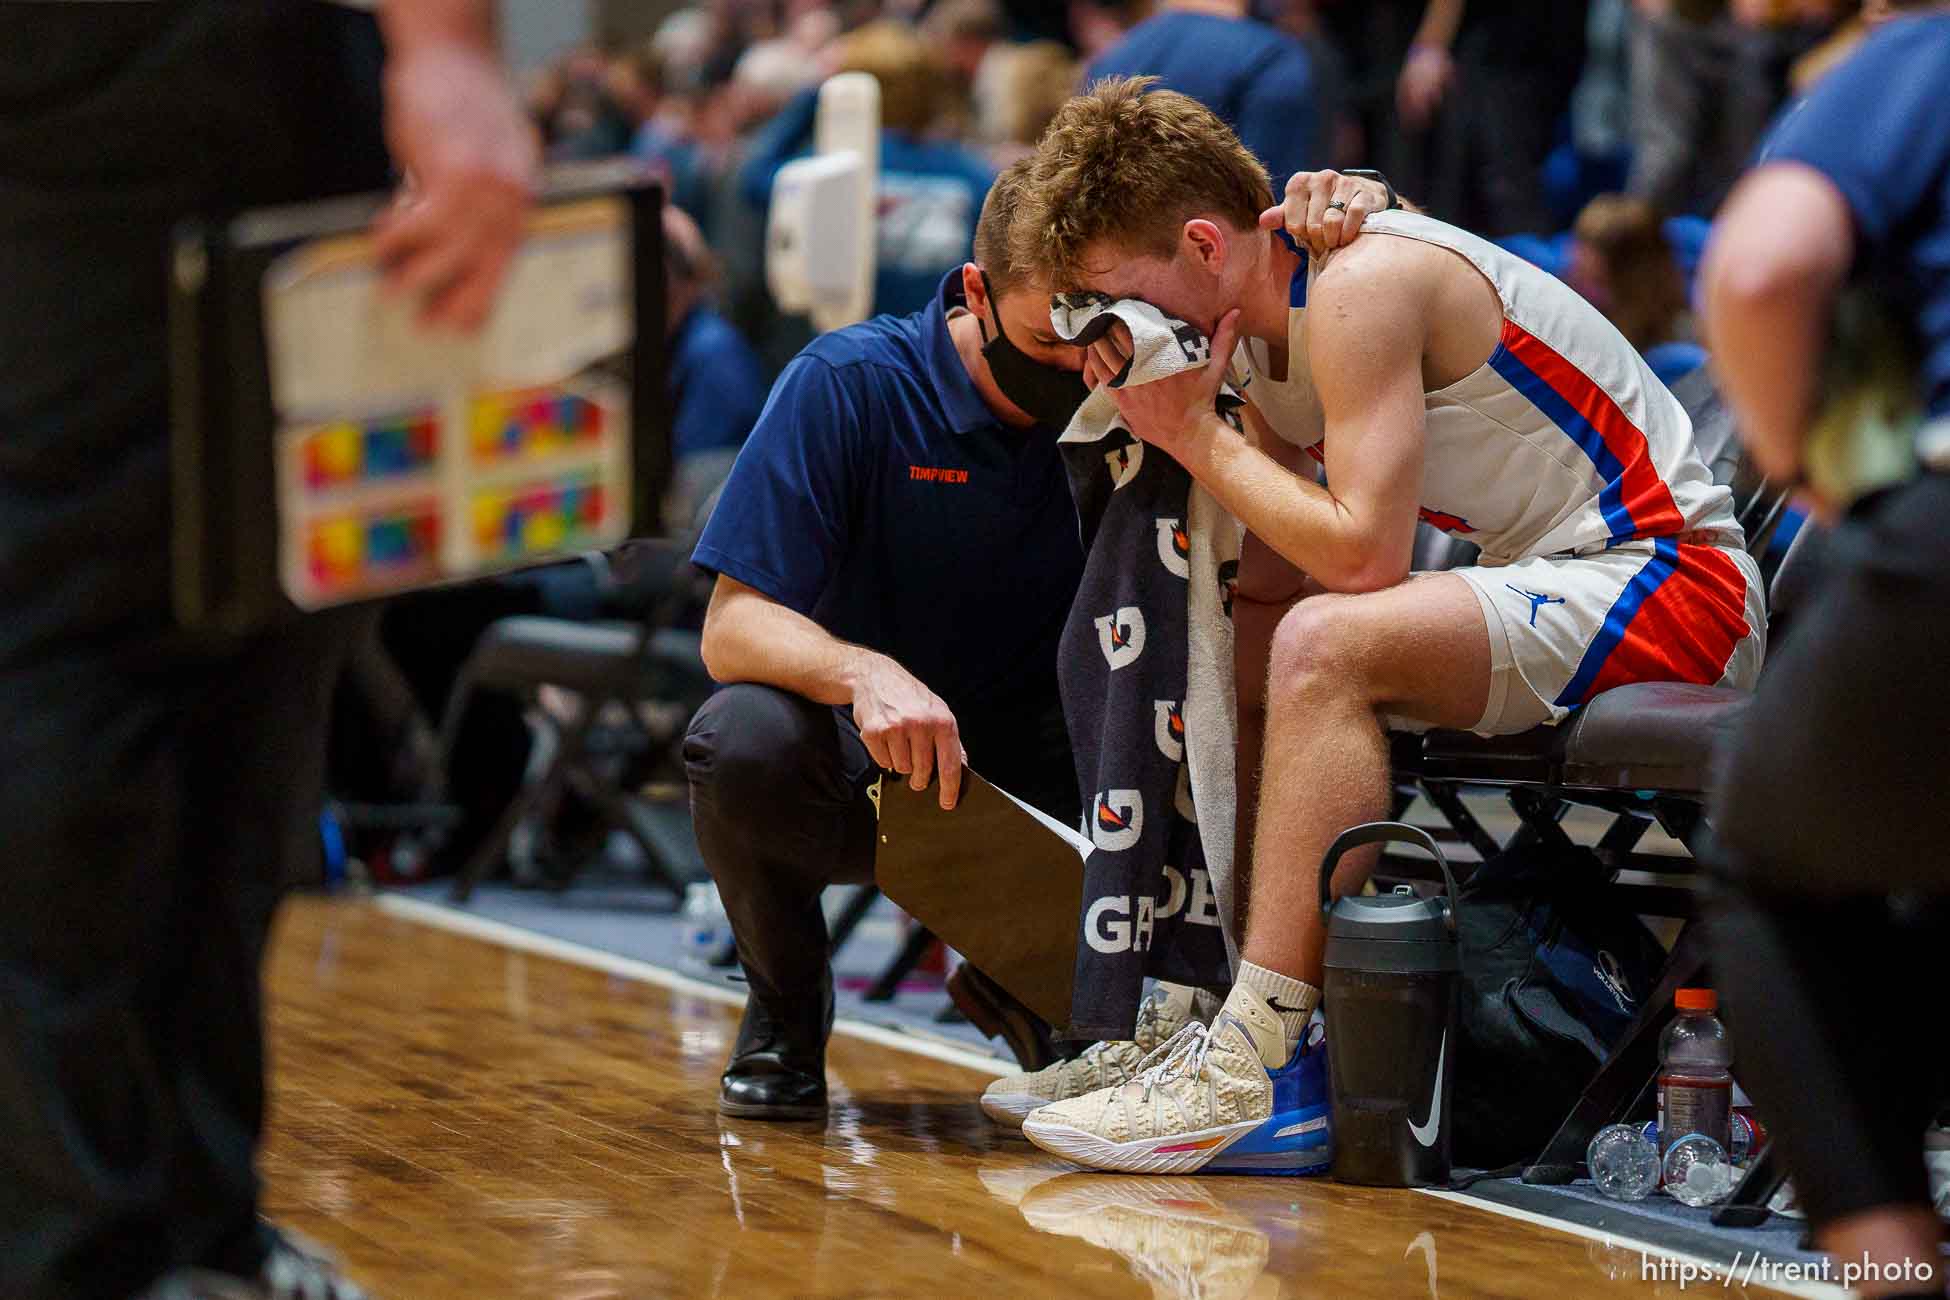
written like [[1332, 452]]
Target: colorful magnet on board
[[339, 452]]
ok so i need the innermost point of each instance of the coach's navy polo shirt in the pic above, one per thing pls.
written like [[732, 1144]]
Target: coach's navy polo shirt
[[879, 496]]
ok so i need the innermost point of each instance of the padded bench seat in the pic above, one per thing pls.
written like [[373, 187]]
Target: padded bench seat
[[1646, 736], [596, 659]]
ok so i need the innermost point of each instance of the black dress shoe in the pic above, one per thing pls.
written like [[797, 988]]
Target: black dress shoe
[[996, 1012], [778, 1066], [765, 1087]]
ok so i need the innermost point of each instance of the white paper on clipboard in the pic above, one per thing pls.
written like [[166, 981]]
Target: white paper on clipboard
[[342, 353]]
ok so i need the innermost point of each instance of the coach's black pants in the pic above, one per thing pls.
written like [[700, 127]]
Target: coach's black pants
[[779, 800], [1834, 924]]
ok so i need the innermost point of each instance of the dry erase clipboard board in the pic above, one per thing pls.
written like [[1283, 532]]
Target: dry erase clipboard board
[[324, 451], [999, 884]]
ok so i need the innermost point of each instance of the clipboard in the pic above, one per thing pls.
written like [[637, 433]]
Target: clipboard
[[325, 451], [998, 881]]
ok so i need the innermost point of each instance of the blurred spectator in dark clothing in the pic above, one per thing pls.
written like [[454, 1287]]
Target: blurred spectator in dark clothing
[[1706, 78], [661, 128], [1096, 25], [717, 383], [743, 122], [1373, 37], [1088, 26], [1018, 92], [1620, 260], [930, 191], [1487, 87], [1255, 77], [962, 33], [965, 36], [578, 116], [1601, 111], [1342, 132]]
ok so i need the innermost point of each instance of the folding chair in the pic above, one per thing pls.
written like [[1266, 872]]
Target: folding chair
[[1643, 753], [596, 665]]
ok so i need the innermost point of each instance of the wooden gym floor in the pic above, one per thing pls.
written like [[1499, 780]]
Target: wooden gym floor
[[461, 1119]]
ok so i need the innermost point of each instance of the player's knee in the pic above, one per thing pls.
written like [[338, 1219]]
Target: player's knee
[[1313, 650]]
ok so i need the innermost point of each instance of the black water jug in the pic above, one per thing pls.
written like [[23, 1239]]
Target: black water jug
[[1394, 977]]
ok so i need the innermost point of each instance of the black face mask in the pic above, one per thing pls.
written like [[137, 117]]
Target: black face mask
[[1046, 394]]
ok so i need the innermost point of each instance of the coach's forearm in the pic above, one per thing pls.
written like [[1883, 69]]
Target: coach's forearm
[[749, 637], [1303, 521], [1777, 261]]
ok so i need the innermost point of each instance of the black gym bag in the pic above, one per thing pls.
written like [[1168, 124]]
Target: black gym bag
[[1554, 970]]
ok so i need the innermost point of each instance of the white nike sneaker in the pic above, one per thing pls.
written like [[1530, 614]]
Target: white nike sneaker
[[1011, 1183], [1167, 1010], [1227, 1099], [1176, 1235]]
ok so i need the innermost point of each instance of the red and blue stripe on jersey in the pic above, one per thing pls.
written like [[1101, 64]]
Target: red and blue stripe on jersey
[[1635, 500]]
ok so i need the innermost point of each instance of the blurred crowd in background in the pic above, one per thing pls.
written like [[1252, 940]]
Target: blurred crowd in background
[[1593, 138]]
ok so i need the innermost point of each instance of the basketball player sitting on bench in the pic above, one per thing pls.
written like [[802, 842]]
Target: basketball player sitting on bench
[[1429, 372]]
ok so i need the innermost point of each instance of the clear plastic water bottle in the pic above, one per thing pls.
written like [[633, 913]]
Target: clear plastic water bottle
[[1695, 1085], [1744, 1126], [703, 928], [1696, 1171], [1624, 1162]]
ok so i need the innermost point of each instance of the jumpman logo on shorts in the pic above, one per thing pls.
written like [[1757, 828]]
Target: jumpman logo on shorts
[[1537, 600]]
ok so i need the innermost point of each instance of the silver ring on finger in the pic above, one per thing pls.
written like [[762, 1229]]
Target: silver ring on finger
[[1337, 205]]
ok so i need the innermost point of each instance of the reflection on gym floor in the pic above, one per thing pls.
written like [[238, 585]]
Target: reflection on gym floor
[[461, 1119]]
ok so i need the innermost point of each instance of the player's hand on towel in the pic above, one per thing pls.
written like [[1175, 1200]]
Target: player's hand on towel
[[1310, 220], [907, 728], [1168, 412], [471, 159]]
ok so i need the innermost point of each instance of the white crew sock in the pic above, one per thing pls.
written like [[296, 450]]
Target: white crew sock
[[1292, 1000]]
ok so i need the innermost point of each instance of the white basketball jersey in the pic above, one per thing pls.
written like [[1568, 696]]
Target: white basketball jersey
[[1564, 440]]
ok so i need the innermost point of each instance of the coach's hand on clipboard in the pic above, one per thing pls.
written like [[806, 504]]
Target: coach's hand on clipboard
[[469, 154], [906, 727]]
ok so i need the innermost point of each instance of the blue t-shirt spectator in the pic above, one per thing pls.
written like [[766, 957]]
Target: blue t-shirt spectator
[[879, 497], [1674, 360], [679, 165], [1257, 78], [1877, 127], [930, 196], [717, 384]]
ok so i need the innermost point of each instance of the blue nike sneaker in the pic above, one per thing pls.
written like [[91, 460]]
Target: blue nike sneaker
[[1224, 1099]]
